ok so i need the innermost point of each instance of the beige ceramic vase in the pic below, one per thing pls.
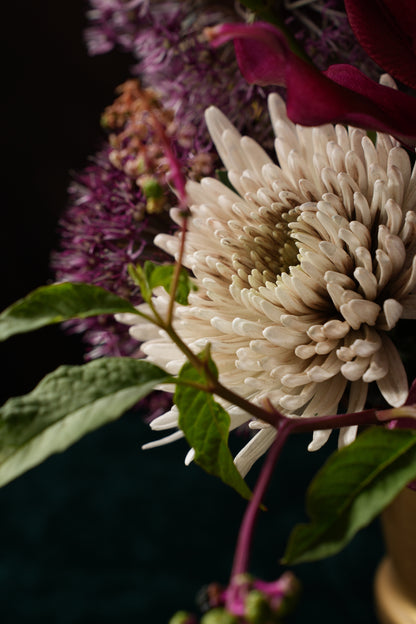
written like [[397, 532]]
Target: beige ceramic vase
[[395, 582]]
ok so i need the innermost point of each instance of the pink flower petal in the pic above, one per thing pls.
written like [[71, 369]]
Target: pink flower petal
[[411, 399], [386, 29], [261, 49], [390, 110], [342, 95]]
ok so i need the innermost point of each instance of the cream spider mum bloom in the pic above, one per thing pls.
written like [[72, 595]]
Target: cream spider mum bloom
[[300, 275]]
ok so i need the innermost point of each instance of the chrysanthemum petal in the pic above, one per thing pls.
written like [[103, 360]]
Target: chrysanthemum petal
[[393, 386], [254, 449]]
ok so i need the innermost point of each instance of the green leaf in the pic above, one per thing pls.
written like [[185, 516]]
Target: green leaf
[[206, 427], [153, 275], [66, 405], [59, 302], [139, 277], [351, 489], [161, 275]]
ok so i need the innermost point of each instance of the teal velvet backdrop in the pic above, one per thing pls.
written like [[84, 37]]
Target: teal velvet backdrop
[[109, 534], [106, 533]]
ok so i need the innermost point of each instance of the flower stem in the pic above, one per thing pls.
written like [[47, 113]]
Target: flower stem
[[176, 275], [334, 421], [215, 387], [285, 427], [245, 536]]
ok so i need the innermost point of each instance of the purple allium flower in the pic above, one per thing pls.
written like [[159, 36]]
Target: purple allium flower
[[112, 24], [166, 38], [104, 229]]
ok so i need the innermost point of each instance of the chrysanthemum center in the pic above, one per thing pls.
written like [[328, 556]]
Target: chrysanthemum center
[[272, 248], [287, 251]]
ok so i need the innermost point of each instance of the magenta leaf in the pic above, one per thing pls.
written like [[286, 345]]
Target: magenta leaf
[[262, 50]]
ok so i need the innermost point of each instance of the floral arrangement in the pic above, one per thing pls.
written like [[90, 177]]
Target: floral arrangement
[[244, 242]]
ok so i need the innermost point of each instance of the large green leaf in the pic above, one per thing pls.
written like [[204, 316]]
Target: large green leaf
[[66, 405], [206, 427], [59, 302], [352, 488]]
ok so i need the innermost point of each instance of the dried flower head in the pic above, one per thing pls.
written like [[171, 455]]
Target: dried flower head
[[301, 273], [134, 120]]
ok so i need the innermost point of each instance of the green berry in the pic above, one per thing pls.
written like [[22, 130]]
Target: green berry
[[219, 616], [152, 189], [181, 617], [257, 609]]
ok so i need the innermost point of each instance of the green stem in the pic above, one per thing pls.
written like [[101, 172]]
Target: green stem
[[153, 320], [192, 384], [177, 273], [215, 387]]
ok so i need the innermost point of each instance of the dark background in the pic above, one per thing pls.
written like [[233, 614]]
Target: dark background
[[105, 533]]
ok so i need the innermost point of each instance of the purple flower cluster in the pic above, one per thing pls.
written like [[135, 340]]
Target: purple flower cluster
[[166, 39], [104, 229]]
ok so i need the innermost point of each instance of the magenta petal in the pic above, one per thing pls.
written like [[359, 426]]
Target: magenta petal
[[261, 50], [387, 32], [389, 110], [411, 399], [341, 95]]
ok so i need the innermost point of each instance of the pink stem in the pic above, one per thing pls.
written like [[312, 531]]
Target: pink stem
[[285, 426], [245, 536]]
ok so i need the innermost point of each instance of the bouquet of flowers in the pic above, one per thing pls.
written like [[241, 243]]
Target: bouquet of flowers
[[244, 244]]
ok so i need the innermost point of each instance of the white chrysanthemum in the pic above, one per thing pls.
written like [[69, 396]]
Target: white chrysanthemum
[[300, 275]]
